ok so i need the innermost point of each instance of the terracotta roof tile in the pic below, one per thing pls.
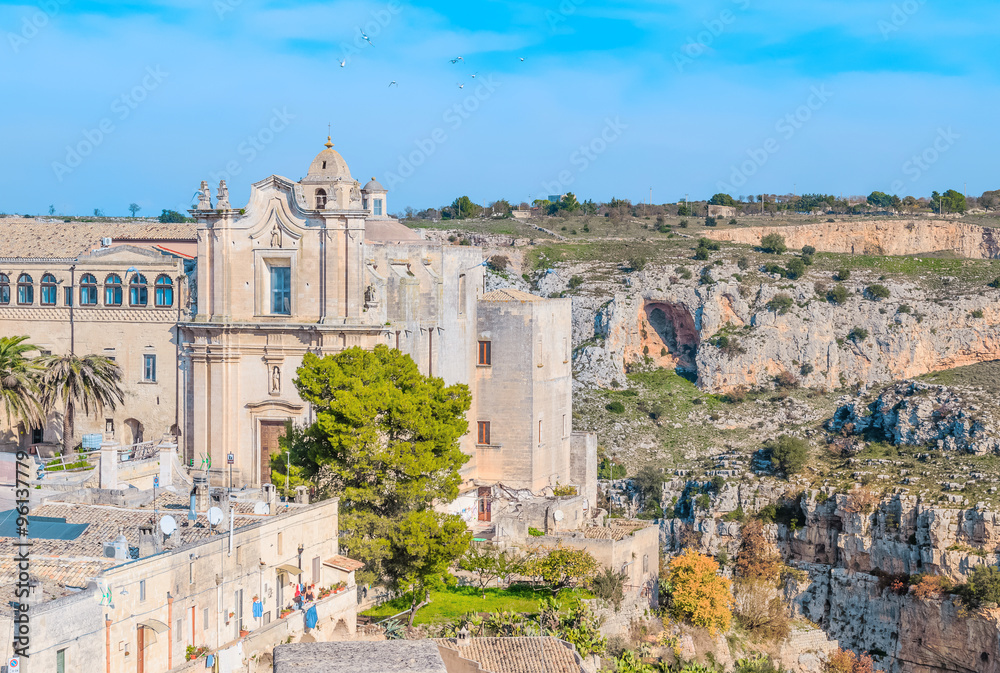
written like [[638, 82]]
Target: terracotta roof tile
[[510, 294], [518, 655], [30, 239]]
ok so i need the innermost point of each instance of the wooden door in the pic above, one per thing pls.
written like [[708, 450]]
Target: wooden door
[[270, 434], [484, 502]]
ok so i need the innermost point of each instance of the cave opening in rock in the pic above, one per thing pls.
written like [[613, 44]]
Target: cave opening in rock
[[674, 329]]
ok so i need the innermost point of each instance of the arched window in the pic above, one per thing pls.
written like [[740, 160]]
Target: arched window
[[48, 290], [138, 294], [113, 290], [88, 290], [25, 289], [4, 289], [320, 199], [164, 291]]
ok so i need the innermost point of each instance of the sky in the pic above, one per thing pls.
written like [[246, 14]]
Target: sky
[[109, 103]]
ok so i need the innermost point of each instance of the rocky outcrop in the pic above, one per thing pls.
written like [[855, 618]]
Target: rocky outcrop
[[667, 322], [878, 237], [920, 414]]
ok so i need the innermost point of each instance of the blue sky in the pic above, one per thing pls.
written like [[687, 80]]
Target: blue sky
[[107, 103]]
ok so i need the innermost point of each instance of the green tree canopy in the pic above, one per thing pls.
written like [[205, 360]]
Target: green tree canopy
[[19, 381], [385, 440], [880, 200], [722, 200], [773, 243], [461, 208], [91, 382], [171, 216]]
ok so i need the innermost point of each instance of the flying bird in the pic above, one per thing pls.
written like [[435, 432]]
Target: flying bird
[[456, 60], [393, 82], [366, 38], [461, 86], [522, 59], [474, 76], [343, 63]]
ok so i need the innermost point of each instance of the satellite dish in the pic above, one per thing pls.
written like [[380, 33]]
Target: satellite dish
[[168, 525], [558, 515], [214, 516], [261, 509]]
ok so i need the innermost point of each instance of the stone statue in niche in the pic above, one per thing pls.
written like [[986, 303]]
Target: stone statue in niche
[[371, 295], [355, 193], [223, 197], [275, 379], [275, 236], [204, 197]]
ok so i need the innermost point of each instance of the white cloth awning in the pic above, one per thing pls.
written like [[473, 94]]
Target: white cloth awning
[[155, 624], [290, 569]]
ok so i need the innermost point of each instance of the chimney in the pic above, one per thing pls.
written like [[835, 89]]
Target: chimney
[[270, 496], [149, 540], [121, 546], [302, 495], [463, 637], [201, 493]]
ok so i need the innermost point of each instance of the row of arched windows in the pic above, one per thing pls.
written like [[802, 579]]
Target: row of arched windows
[[138, 290]]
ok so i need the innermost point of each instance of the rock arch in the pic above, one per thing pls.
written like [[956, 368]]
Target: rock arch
[[668, 326]]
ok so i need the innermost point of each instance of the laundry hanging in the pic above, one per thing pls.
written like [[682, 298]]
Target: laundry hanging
[[311, 617], [258, 609]]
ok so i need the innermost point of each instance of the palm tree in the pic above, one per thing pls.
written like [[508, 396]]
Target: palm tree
[[91, 381], [19, 381]]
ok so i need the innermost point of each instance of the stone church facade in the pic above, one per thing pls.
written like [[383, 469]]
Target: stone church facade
[[317, 265]]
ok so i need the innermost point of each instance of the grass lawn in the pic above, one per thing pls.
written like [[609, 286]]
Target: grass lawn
[[452, 603]]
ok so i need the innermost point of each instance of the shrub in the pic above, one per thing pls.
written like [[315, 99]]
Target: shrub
[[685, 273], [789, 454], [575, 282], [708, 243], [703, 501], [706, 277], [698, 594], [615, 407], [499, 263], [978, 313], [808, 250], [772, 267], [842, 274], [780, 304], [876, 292], [534, 532], [609, 586], [806, 369], [733, 221], [807, 260], [796, 268], [837, 294], [904, 308], [862, 500], [736, 395], [743, 263], [931, 586], [983, 586], [786, 380], [773, 243], [663, 352], [858, 334], [710, 221], [636, 263], [701, 253], [845, 661], [759, 610], [994, 283]]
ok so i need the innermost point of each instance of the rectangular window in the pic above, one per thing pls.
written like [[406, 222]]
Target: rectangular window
[[485, 352], [565, 427], [68, 296], [378, 206], [190, 573], [645, 563], [142, 590], [279, 544], [61, 661], [281, 290], [149, 368], [239, 555], [204, 621], [484, 433], [109, 426], [316, 569], [539, 431], [180, 632]]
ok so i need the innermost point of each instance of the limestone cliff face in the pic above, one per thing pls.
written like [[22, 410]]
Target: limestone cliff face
[[670, 322], [842, 552], [879, 237]]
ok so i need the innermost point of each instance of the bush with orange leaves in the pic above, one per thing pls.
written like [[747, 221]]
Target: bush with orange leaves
[[862, 500], [698, 594], [845, 661], [931, 586]]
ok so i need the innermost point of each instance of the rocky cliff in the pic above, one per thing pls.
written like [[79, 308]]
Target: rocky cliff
[[879, 237], [671, 322]]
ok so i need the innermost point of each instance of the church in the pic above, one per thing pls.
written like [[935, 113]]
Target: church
[[315, 265]]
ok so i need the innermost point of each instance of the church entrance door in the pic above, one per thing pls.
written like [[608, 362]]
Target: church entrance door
[[271, 433]]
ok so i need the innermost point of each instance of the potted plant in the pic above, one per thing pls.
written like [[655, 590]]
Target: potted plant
[[191, 653], [244, 633], [338, 587], [285, 612]]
